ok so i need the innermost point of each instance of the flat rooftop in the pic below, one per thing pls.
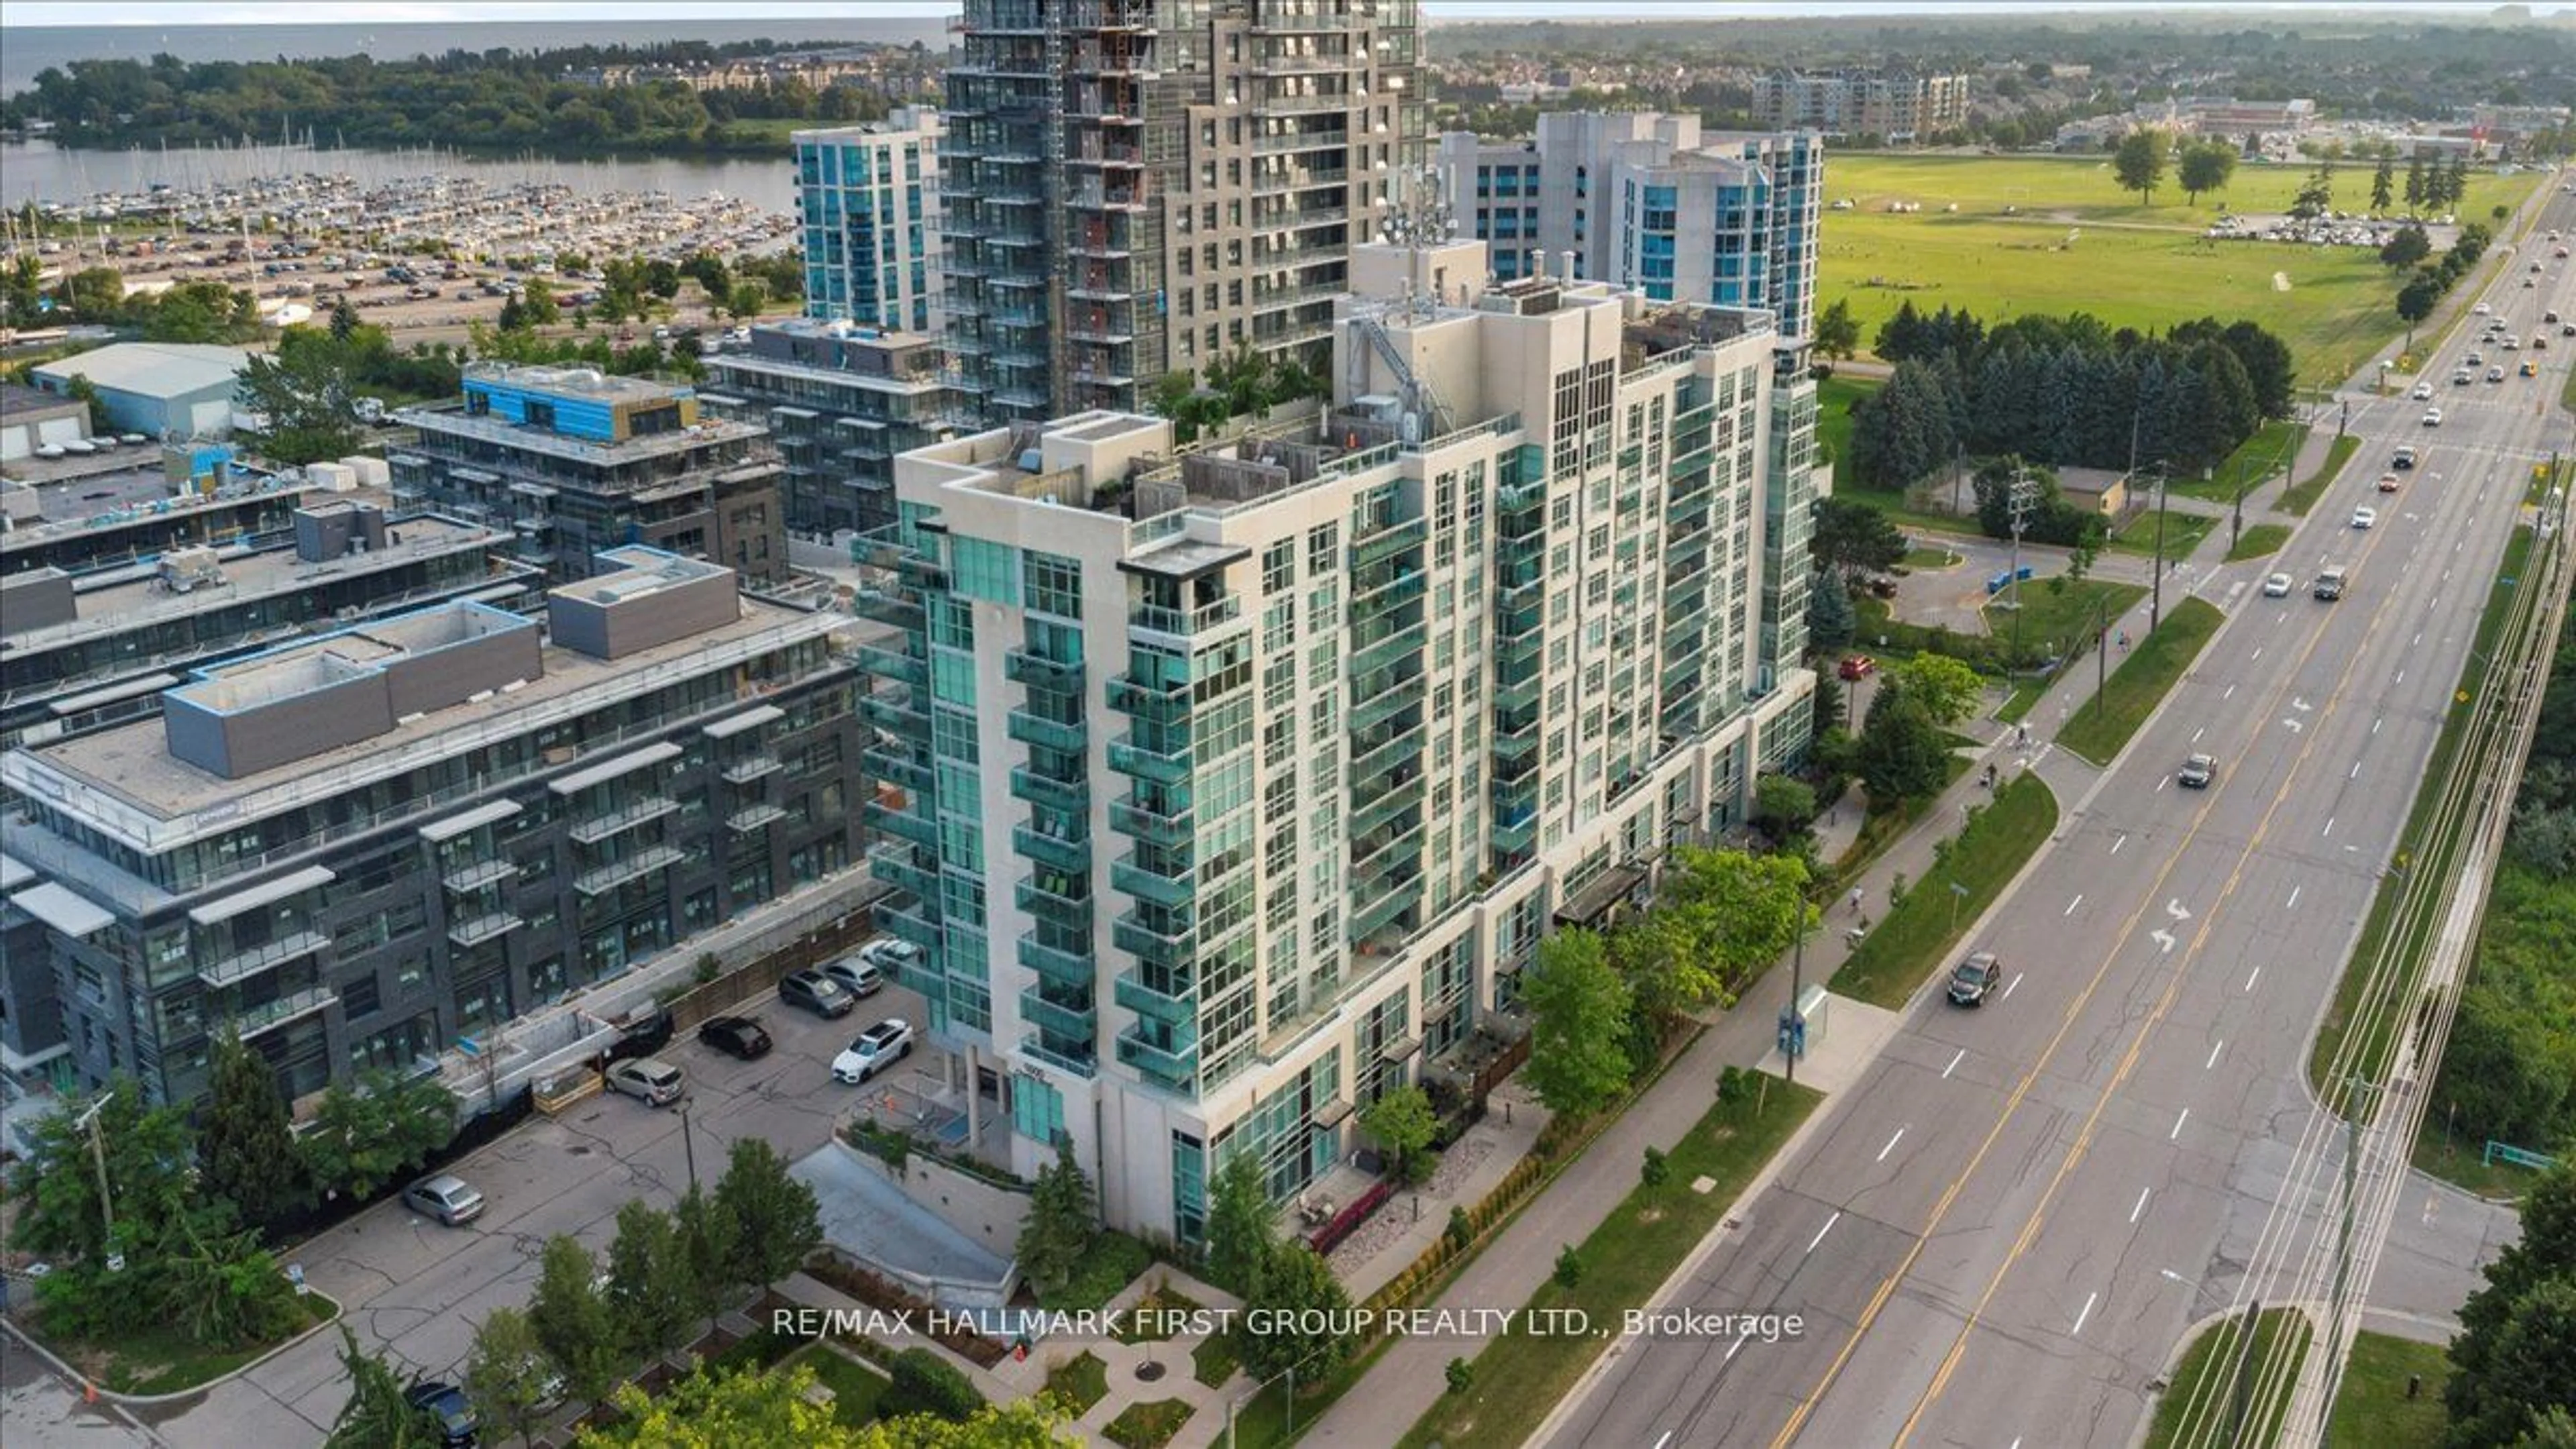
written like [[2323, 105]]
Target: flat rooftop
[[574, 381], [113, 600], [452, 419], [139, 495], [132, 764]]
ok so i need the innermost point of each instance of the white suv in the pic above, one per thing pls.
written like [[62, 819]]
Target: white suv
[[877, 1048]]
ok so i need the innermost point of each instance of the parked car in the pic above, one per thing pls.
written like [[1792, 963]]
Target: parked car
[[855, 975], [739, 1036], [2277, 587], [642, 1036], [1973, 980], [877, 1048], [445, 1197], [454, 1413], [649, 1080], [817, 993], [890, 956], [2197, 772], [1858, 666]]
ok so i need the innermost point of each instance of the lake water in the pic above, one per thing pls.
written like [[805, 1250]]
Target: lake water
[[42, 171]]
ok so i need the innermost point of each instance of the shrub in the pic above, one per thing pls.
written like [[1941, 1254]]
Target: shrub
[[1461, 1374], [1569, 1267], [1654, 1171], [1461, 1232], [926, 1383]]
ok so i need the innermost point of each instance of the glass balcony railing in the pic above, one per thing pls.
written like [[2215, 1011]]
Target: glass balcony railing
[[244, 964], [1376, 760], [910, 921], [1175, 1066], [900, 867], [1184, 622], [278, 1013], [755, 817], [596, 828], [479, 929], [896, 769], [1143, 822], [1024, 667], [751, 768], [1045, 849], [1514, 836], [1388, 542], [888, 607], [480, 874], [1167, 766], [1385, 704], [888, 664], [615, 873], [1162, 1006], [1162, 704], [895, 714], [1164, 882], [1054, 962], [1052, 791], [1072, 913], [1386, 807], [1079, 1063], [915, 828], [1387, 651], [1070, 1020], [1168, 948], [1030, 729]]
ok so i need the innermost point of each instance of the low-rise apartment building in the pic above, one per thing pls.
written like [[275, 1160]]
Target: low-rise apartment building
[[839, 401]]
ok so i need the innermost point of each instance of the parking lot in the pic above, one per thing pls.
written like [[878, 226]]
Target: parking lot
[[419, 1289]]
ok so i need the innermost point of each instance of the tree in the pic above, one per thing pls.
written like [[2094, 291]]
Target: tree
[[537, 303], [2316, 195], [2414, 191], [514, 316], [1578, 1012], [648, 1291], [2140, 162], [508, 1375], [368, 1133], [1402, 1123], [1569, 1267], [1831, 620], [707, 1235], [1240, 1234], [1061, 1226], [85, 392], [2421, 294], [572, 1321], [1782, 805], [245, 1146], [303, 395], [1654, 1169], [1948, 690], [1902, 755], [1852, 539], [377, 1415], [746, 298], [1837, 331], [925, 1383], [1306, 1305], [2527, 1365], [2205, 167], [2383, 184], [1720, 916], [2409, 247], [1900, 337], [344, 321], [147, 1149], [779, 1409], [1906, 429], [772, 1217]]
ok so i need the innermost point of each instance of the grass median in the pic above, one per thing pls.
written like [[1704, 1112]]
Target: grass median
[[2181, 533], [166, 1361], [2060, 618], [2259, 541], [2303, 495], [2271, 446], [1918, 935], [2373, 1409], [1518, 1378], [2097, 729], [2199, 1407], [2423, 844]]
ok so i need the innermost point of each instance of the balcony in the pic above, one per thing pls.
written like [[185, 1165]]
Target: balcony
[[1051, 791], [897, 866], [1070, 912], [483, 928], [1404, 640], [242, 965], [1376, 759], [1081, 1066], [1162, 704], [635, 867], [1387, 542], [1054, 963], [910, 923], [1176, 1068], [283, 1010], [478, 875], [638, 811], [1149, 943], [1157, 618], [750, 768], [1031, 729], [1388, 702], [1039, 672], [895, 715], [914, 828], [754, 817], [1386, 807], [887, 607], [1513, 693], [1170, 766], [1076, 1022], [1143, 822], [888, 664], [895, 768], [1166, 883], [1514, 836], [1331, 138], [1403, 891], [1144, 1000], [1045, 849]]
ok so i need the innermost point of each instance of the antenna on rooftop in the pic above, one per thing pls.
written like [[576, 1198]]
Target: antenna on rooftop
[[1419, 216]]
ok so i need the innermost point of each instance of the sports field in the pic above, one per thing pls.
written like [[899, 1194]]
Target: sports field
[[2075, 242]]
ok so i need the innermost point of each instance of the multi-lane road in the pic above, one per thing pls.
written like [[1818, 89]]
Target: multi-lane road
[[2000, 1232]]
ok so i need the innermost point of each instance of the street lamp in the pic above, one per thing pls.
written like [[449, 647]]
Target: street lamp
[[98, 1155]]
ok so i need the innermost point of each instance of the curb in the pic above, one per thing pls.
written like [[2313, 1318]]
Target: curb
[[146, 1401]]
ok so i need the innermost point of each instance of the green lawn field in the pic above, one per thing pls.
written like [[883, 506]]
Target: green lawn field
[[2077, 243]]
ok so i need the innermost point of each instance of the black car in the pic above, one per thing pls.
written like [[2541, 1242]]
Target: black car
[[738, 1036], [817, 993], [1974, 979], [642, 1036], [446, 1404]]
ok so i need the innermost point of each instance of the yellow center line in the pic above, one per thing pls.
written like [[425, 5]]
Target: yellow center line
[[2021, 1089]]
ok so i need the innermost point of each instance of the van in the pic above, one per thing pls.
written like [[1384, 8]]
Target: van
[[2329, 586]]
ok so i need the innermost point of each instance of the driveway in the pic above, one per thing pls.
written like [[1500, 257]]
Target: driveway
[[420, 1290]]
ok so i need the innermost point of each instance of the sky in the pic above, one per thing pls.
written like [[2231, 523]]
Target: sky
[[392, 12]]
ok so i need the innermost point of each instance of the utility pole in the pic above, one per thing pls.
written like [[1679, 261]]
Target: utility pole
[[689, 1145], [2101, 651], [2024, 496], [2156, 606], [2354, 1087], [98, 1155], [2236, 529], [1797, 979]]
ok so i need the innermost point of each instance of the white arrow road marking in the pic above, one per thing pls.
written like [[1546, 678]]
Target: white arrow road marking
[[2164, 941], [2174, 908], [2301, 705], [2295, 726]]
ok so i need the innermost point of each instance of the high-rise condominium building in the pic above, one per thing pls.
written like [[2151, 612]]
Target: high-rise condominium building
[[1898, 107], [869, 200], [1138, 187], [839, 400], [358, 848], [577, 464], [1648, 201], [1240, 783]]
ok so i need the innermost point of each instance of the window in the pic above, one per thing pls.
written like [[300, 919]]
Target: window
[[1054, 583], [987, 571], [1323, 545], [1279, 567]]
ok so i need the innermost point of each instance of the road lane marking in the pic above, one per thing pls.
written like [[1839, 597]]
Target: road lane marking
[[2374, 726], [2141, 1207], [2356, 771], [1954, 1064], [2196, 734], [2009, 985], [2294, 898], [2160, 784], [1827, 1228], [1730, 1358], [2176, 1134], [2329, 830], [2230, 694], [1668, 1434], [1891, 1142], [2258, 651], [2071, 905], [2213, 1056], [2419, 638], [2116, 844], [2087, 1313], [2250, 980], [2401, 676]]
